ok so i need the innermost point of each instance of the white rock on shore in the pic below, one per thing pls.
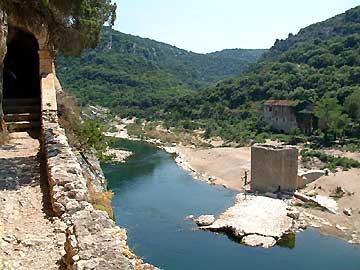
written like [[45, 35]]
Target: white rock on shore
[[325, 202], [119, 155], [205, 220], [255, 240], [255, 215]]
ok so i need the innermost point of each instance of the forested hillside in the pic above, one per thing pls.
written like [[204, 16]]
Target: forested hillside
[[320, 65], [134, 76]]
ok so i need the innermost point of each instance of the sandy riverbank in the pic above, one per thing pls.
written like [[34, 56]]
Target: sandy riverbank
[[218, 166]]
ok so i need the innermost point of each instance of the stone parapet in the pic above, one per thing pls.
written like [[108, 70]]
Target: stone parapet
[[48, 93], [92, 238]]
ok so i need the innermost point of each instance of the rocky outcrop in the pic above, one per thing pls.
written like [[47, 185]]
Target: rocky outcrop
[[256, 220], [119, 156], [255, 240], [306, 177], [327, 203], [205, 220]]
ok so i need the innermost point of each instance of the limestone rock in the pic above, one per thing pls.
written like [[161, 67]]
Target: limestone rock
[[255, 215], [312, 193], [341, 228], [119, 156], [205, 220], [323, 201], [293, 213], [255, 240], [347, 211], [306, 177]]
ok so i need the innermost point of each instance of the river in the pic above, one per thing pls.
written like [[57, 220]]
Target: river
[[153, 197]]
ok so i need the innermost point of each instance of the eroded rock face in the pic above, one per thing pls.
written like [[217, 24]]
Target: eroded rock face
[[255, 215]]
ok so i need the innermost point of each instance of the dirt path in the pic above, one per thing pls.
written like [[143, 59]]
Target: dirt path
[[29, 237]]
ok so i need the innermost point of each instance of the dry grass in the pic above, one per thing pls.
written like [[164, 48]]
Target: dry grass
[[101, 200]]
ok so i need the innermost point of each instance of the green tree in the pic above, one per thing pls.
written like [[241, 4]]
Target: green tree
[[352, 105], [72, 24], [331, 118], [339, 126], [91, 135]]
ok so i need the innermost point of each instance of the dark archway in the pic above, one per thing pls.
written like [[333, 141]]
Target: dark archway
[[21, 65]]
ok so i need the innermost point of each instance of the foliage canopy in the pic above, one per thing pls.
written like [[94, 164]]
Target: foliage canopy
[[73, 24]]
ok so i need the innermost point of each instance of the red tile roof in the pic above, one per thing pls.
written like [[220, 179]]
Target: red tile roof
[[276, 102]]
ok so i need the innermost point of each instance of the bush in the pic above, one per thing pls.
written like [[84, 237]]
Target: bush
[[331, 161], [83, 135]]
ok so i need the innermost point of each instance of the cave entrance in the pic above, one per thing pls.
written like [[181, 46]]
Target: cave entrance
[[21, 82], [21, 78]]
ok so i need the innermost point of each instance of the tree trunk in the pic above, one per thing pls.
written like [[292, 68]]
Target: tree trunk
[[3, 48]]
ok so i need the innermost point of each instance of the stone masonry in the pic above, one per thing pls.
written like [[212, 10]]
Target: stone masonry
[[273, 168], [91, 236]]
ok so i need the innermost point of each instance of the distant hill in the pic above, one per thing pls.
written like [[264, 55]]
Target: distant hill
[[131, 74], [321, 61], [344, 24]]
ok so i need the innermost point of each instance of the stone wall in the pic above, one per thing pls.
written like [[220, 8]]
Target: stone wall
[[93, 239], [3, 37], [273, 167]]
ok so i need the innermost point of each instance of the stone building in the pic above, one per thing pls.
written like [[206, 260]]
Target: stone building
[[274, 168], [282, 117]]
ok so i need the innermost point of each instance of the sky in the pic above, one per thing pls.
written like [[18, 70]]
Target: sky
[[204, 26]]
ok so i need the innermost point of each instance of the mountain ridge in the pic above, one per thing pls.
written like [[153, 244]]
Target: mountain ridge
[[130, 73]]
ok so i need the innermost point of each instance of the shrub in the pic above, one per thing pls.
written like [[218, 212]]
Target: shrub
[[82, 134], [331, 161]]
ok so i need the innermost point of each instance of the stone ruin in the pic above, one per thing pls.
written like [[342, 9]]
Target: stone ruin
[[274, 168]]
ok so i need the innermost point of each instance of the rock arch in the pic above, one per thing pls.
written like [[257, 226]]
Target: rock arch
[[21, 78], [39, 57]]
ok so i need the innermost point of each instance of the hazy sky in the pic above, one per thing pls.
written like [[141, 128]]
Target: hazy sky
[[212, 25]]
